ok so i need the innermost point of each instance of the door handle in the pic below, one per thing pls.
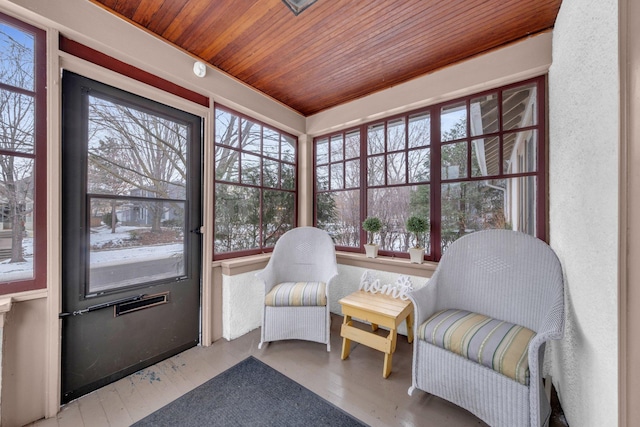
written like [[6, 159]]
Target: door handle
[[197, 230], [101, 306]]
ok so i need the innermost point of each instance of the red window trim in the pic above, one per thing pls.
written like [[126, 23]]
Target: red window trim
[[39, 280]]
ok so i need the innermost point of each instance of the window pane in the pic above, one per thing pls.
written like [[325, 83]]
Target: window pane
[[226, 128], [322, 152], [519, 107], [337, 148], [419, 130], [520, 150], [278, 215], [453, 122], [472, 206], [237, 218], [352, 174], [454, 160], [394, 206], [271, 173], [337, 176], [322, 178], [396, 168], [134, 241], [352, 145], [484, 115], [339, 214], [485, 156], [227, 164], [132, 152], [17, 53], [375, 139], [288, 177], [376, 171], [396, 136], [288, 149], [250, 169], [16, 218], [17, 124], [251, 134], [271, 143], [419, 165]]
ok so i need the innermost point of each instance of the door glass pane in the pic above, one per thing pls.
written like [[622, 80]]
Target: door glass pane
[[133, 152], [134, 241], [16, 218]]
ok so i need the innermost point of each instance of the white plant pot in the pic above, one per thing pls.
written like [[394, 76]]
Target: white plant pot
[[416, 255], [371, 250]]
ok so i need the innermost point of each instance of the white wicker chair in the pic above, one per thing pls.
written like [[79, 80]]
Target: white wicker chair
[[506, 275], [303, 254]]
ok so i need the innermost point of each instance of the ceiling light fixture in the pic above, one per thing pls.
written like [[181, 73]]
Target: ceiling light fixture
[[298, 6], [199, 69]]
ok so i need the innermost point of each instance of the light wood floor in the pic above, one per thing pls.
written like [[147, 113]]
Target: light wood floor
[[356, 384]]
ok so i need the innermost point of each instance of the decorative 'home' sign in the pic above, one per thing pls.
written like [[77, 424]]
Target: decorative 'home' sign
[[400, 289]]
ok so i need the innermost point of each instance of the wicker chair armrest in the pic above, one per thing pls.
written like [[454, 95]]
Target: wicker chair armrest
[[424, 301]]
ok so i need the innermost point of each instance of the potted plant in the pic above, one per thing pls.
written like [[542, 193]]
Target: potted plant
[[417, 225], [371, 225]]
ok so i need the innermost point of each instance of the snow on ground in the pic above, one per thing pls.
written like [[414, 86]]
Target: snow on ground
[[100, 236]]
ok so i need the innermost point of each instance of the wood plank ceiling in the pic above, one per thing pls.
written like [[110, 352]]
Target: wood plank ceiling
[[337, 50]]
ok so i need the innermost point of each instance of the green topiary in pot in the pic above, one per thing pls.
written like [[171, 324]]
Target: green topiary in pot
[[371, 225], [418, 226]]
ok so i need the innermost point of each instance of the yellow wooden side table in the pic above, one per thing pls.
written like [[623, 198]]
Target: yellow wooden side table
[[379, 310]]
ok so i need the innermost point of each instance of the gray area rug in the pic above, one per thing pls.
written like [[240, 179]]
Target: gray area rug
[[250, 393]]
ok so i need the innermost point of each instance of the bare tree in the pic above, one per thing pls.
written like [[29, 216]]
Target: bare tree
[[16, 137]]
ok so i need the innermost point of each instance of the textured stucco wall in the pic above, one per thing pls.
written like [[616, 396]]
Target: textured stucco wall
[[583, 195], [243, 294]]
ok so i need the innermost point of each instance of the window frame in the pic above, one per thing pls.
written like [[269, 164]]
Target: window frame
[[39, 156], [261, 187], [435, 144]]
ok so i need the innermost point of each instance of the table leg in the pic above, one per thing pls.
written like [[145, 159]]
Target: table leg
[[392, 339], [346, 343], [410, 328]]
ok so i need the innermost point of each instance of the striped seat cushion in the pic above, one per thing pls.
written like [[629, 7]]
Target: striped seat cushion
[[498, 345], [291, 294]]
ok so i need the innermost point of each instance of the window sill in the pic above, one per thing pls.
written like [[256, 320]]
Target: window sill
[[390, 264], [234, 266]]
